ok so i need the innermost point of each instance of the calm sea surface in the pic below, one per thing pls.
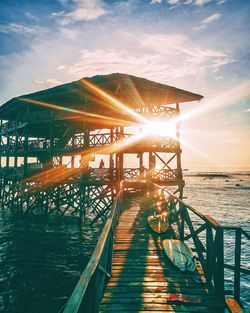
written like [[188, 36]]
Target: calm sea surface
[[40, 262]]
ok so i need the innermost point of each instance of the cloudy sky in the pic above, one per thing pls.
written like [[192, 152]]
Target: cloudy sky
[[199, 45]]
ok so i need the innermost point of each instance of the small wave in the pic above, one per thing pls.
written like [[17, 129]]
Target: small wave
[[237, 186], [222, 174], [212, 175]]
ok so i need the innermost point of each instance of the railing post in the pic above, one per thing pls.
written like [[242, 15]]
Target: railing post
[[182, 223], [219, 278], [101, 278], [237, 264], [171, 204], [209, 253]]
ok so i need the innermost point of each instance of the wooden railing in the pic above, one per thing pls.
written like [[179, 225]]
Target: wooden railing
[[89, 289], [131, 173], [207, 238], [240, 235]]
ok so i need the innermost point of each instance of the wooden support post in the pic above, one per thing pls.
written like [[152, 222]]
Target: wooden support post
[[182, 221], [116, 158], [111, 160], [237, 264], [209, 253], [140, 155], [72, 161], [101, 275], [150, 167], [219, 278], [120, 162], [178, 154], [7, 154], [16, 147], [82, 195], [110, 249], [152, 162], [195, 238], [25, 150]]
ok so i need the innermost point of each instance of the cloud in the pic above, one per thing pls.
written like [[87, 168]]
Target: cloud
[[246, 111], [217, 64], [185, 55], [164, 58], [50, 82], [61, 67], [22, 29], [208, 20], [126, 5], [58, 14], [200, 2], [69, 33], [31, 16], [82, 10], [106, 61], [171, 59], [175, 3]]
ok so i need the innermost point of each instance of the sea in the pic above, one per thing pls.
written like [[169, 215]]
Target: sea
[[42, 260]]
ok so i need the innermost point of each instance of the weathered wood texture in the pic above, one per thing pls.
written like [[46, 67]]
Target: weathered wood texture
[[143, 277]]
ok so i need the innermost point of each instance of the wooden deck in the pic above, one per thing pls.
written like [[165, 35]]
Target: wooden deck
[[142, 276]]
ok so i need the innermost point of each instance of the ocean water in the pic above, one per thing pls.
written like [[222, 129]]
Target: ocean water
[[41, 261], [225, 196]]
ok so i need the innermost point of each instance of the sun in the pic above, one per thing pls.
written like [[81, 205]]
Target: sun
[[159, 128]]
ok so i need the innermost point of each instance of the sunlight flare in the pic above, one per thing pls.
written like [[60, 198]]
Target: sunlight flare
[[231, 97], [91, 117], [61, 173], [118, 104], [159, 129]]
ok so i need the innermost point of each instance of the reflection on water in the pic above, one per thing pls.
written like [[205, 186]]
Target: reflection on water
[[40, 262]]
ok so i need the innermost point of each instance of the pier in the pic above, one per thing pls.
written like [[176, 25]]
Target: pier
[[128, 271], [49, 140]]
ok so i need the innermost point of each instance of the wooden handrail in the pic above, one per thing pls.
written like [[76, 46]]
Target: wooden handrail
[[205, 217], [214, 263], [78, 293]]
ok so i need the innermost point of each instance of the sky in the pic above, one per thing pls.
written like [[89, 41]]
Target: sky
[[202, 46]]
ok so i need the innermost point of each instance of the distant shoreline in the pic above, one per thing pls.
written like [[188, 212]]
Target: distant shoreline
[[216, 174]]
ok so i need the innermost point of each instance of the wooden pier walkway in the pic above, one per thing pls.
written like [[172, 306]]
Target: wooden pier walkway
[[142, 277]]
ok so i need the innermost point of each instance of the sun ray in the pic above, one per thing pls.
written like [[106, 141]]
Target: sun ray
[[232, 96], [149, 127], [60, 173], [118, 104], [87, 115]]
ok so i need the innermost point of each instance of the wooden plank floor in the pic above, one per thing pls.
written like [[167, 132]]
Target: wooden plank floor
[[143, 277]]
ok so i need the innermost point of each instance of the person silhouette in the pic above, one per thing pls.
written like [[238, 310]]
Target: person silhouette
[[101, 165]]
